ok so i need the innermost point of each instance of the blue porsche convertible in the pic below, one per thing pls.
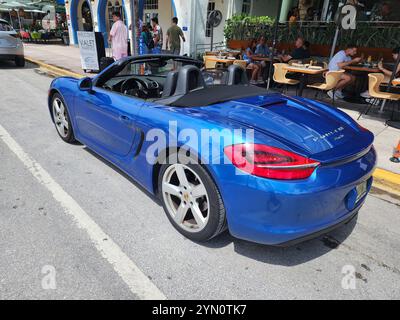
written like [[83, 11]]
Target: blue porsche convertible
[[270, 168]]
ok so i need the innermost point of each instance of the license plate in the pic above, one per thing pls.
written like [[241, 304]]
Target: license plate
[[361, 190]]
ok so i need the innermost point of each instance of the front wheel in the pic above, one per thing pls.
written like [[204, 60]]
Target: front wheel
[[61, 119], [191, 201]]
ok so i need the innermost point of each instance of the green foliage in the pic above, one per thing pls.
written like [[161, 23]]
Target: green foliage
[[242, 27]]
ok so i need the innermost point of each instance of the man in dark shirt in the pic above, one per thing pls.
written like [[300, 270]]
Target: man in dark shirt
[[299, 53]]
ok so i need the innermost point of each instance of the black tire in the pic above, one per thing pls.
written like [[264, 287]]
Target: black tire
[[217, 217], [69, 138], [20, 61]]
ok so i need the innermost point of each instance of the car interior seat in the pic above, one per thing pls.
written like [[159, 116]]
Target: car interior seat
[[170, 84], [190, 78], [236, 75]]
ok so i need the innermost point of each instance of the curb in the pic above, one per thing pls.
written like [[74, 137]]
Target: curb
[[387, 181], [383, 180], [57, 71]]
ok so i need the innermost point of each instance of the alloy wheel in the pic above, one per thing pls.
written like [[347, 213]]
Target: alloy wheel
[[186, 198], [60, 117]]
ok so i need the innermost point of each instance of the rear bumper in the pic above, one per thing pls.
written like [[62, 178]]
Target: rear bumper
[[347, 220], [283, 213], [12, 52]]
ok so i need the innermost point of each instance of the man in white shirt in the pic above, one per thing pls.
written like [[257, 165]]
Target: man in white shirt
[[340, 60], [119, 37]]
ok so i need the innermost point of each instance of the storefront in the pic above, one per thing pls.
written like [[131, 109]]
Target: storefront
[[87, 15]]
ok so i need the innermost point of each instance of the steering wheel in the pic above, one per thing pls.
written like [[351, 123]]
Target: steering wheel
[[134, 87]]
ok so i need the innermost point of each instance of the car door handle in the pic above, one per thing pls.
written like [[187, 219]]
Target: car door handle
[[125, 119]]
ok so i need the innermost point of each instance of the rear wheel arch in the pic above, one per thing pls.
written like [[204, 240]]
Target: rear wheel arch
[[162, 158], [218, 222]]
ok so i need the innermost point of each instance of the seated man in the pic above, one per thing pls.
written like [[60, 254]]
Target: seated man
[[340, 60], [262, 50], [299, 53], [256, 69]]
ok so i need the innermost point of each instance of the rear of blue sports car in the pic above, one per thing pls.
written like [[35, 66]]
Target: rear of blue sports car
[[308, 171]]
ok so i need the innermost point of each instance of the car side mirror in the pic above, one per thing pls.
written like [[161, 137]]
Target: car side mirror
[[85, 84]]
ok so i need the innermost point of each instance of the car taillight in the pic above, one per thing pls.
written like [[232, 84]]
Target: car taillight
[[270, 162], [362, 128]]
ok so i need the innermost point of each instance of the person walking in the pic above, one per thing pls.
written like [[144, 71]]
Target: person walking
[[146, 40], [157, 36], [118, 37], [174, 35]]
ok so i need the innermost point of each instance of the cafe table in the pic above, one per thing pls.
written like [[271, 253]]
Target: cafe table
[[266, 59], [222, 60], [305, 72], [362, 68], [361, 71]]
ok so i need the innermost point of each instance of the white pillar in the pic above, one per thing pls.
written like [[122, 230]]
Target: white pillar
[[192, 19], [286, 6]]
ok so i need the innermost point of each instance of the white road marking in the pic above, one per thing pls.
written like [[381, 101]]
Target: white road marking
[[138, 283]]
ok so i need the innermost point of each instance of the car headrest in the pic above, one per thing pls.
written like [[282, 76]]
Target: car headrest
[[236, 75], [170, 84], [190, 78]]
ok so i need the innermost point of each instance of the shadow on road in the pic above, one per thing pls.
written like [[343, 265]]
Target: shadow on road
[[112, 166], [9, 64], [291, 256]]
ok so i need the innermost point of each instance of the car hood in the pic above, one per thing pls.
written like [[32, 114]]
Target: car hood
[[307, 127]]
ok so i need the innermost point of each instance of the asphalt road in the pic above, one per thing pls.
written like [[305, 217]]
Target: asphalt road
[[47, 252]]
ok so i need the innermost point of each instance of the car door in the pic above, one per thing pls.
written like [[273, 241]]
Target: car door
[[106, 120]]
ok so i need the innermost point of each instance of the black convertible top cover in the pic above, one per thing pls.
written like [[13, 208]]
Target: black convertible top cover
[[212, 95]]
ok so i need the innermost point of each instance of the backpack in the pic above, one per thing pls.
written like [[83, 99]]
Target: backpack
[[150, 41]]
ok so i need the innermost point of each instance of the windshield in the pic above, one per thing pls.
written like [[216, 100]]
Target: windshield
[[152, 67], [4, 26]]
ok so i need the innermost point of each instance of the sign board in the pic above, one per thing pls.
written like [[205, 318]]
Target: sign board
[[346, 16], [88, 50]]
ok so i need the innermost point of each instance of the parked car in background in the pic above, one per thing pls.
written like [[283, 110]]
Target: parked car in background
[[11, 47]]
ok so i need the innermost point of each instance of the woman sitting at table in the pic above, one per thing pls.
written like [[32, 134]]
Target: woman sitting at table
[[248, 57]]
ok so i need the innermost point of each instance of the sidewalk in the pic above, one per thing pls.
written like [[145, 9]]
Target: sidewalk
[[68, 58], [63, 57]]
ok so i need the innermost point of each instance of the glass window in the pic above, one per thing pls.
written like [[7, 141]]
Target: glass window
[[246, 7], [4, 26], [151, 5]]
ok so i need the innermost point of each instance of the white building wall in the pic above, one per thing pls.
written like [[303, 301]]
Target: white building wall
[[192, 15]]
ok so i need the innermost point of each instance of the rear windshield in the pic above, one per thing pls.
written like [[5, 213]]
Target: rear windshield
[[4, 26], [153, 67]]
